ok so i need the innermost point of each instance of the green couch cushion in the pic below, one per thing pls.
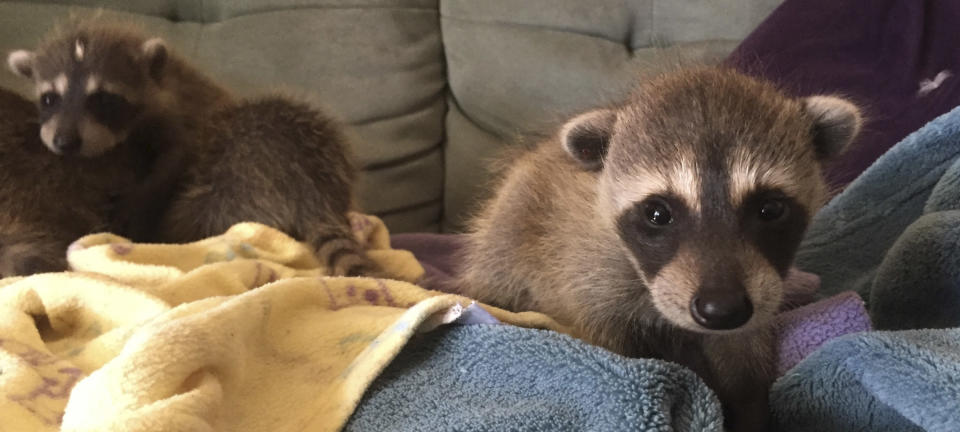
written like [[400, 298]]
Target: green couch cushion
[[432, 89], [517, 68], [378, 65]]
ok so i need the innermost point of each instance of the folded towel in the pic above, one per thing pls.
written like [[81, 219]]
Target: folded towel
[[176, 338]]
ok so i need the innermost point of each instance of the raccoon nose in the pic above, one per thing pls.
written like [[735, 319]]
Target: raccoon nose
[[67, 143], [721, 311]]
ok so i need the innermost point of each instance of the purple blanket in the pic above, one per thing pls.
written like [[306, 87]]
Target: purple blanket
[[803, 328], [899, 59]]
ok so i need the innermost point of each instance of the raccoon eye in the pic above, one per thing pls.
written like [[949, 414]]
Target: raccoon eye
[[772, 210], [657, 212], [49, 99]]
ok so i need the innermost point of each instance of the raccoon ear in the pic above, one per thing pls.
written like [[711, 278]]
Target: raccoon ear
[[21, 62], [155, 54], [587, 136], [836, 123]]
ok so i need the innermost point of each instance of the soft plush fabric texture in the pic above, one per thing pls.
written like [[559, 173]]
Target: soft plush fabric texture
[[486, 393], [883, 381], [803, 330], [898, 59], [803, 325], [239, 332], [486, 377], [493, 378], [898, 229], [892, 234], [432, 88]]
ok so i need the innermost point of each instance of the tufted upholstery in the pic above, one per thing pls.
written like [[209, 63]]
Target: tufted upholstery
[[433, 89]]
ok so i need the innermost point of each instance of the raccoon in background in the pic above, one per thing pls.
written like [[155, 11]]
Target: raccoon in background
[[277, 162], [665, 226], [202, 160], [45, 204], [104, 89]]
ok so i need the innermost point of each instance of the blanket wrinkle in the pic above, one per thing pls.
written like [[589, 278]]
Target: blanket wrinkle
[[903, 380], [239, 332], [864, 381]]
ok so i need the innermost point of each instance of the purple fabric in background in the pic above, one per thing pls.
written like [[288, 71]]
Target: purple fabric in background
[[885, 55], [804, 329], [436, 253]]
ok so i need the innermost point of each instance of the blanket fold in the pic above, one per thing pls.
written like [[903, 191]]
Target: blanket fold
[[176, 338], [495, 377], [895, 236]]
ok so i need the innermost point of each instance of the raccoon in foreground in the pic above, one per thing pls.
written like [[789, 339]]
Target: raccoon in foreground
[[45, 204], [665, 226], [202, 160]]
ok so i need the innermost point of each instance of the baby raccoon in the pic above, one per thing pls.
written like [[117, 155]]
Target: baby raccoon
[[201, 161], [665, 226], [103, 88], [100, 84], [44, 203], [277, 162]]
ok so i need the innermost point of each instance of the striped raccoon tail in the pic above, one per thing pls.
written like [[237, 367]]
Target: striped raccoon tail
[[343, 255], [23, 254]]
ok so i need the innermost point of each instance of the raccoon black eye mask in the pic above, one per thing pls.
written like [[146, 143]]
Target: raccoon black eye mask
[[107, 92], [665, 226]]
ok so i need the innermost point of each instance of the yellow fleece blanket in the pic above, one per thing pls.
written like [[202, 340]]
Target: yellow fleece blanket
[[240, 332]]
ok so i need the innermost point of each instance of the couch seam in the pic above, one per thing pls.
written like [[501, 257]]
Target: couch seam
[[297, 8], [447, 100], [411, 157], [479, 125], [653, 22], [411, 207], [534, 26], [423, 105]]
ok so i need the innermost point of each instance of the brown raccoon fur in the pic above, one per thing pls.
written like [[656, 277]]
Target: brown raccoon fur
[[276, 162], [45, 204], [105, 91], [104, 88], [665, 226]]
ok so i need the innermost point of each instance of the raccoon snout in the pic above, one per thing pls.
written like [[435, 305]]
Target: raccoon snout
[[67, 143], [721, 310]]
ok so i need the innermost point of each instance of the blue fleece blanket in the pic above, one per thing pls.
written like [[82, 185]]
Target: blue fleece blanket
[[497, 377], [894, 236]]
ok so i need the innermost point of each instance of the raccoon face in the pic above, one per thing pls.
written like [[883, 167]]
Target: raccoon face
[[90, 88], [710, 183]]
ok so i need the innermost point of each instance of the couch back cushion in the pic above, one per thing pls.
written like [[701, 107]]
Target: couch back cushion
[[432, 89]]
